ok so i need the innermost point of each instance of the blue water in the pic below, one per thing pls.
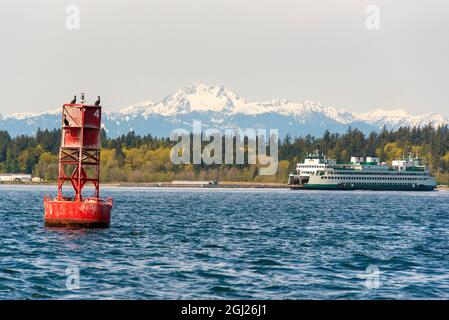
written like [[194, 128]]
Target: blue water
[[218, 243]]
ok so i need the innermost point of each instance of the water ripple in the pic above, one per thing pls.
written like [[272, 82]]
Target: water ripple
[[234, 244]]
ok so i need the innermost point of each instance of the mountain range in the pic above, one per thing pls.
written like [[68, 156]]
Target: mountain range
[[218, 107]]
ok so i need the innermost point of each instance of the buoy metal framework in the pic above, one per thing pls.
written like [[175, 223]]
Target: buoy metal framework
[[79, 163]]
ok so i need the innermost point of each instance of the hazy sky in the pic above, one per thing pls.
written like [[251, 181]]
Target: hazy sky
[[129, 51]]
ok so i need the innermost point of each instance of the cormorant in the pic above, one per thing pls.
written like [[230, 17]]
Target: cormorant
[[97, 103], [66, 122], [74, 100]]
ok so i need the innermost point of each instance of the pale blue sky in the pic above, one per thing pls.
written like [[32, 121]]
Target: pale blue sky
[[129, 51]]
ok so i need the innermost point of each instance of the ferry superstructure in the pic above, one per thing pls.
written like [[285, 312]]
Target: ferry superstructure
[[318, 172]]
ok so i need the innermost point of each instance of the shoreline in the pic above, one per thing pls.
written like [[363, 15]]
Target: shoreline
[[219, 185], [225, 184]]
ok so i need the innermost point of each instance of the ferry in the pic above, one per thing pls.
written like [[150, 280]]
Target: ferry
[[318, 172]]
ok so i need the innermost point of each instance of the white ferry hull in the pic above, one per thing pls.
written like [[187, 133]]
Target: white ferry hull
[[369, 187]]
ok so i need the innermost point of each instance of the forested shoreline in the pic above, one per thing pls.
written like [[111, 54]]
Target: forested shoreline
[[134, 158]]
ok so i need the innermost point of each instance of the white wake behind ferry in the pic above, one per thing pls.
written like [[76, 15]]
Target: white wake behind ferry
[[317, 172]]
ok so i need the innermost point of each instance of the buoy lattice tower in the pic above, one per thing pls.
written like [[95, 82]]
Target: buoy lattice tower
[[79, 164]]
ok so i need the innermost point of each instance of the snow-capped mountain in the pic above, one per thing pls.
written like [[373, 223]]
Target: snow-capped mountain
[[398, 118], [216, 106]]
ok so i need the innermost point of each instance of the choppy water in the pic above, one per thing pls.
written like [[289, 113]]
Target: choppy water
[[216, 243]]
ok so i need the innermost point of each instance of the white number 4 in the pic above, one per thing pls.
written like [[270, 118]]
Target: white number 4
[[97, 113]]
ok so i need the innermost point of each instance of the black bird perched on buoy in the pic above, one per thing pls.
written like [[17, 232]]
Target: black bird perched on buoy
[[74, 100], [97, 103], [66, 122]]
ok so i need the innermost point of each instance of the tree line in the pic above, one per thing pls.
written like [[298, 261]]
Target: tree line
[[136, 158]]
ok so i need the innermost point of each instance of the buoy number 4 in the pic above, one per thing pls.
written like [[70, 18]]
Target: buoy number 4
[[97, 114]]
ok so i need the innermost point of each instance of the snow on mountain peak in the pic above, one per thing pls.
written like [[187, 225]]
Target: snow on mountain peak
[[193, 98], [202, 98], [216, 98], [218, 106], [379, 113], [27, 115], [399, 117], [137, 108]]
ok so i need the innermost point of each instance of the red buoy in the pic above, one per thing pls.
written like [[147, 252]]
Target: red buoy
[[79, 163]]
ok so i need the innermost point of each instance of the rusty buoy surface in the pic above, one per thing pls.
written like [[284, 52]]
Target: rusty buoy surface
[[90, 213]]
